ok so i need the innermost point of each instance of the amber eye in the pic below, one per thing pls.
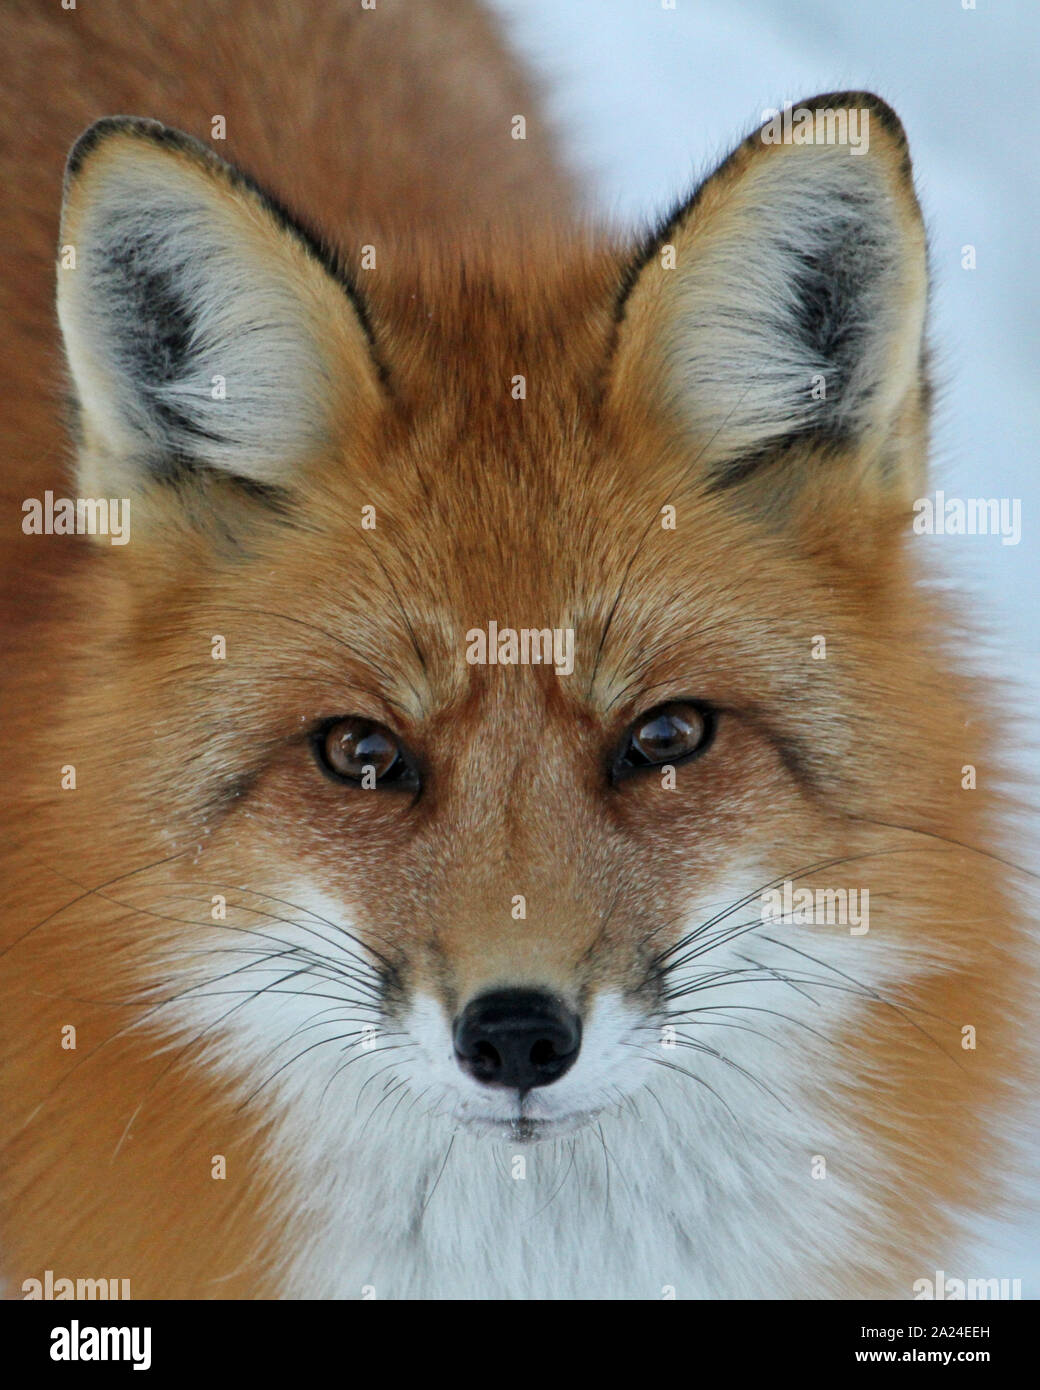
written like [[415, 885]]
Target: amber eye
[[353, 747], [666, 734]]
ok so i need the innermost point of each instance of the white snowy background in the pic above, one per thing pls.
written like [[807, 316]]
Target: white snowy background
[[647, 99]]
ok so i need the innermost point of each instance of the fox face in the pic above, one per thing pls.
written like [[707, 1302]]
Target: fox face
[[392, 906]]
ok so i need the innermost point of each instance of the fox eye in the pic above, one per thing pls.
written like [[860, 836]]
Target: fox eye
[[351, 747], [668, 733]]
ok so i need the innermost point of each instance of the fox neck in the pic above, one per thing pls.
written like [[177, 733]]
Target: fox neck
[[629, 1207]]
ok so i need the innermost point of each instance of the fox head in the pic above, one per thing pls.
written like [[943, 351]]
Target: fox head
[[352, 845]]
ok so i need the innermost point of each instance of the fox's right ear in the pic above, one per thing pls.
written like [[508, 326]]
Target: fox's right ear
[[206, 333], [776, 320]]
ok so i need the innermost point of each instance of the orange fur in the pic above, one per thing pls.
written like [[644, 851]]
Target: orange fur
[[536, 513]]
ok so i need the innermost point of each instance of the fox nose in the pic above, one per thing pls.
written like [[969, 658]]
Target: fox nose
[[517, 1038]]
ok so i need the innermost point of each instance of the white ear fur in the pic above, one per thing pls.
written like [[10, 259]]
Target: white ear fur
[[796, 304], [202, 330]]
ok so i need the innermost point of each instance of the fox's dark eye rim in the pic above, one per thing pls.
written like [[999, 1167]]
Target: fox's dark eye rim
[[621, 768], [402, 775]]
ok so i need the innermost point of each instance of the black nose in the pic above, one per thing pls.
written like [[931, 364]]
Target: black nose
[[517, 1037]]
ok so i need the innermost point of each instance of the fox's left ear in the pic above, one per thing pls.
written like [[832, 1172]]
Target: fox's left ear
[[777, 319], [208, 336]]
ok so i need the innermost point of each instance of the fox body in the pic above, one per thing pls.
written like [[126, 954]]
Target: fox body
[[283, 859]]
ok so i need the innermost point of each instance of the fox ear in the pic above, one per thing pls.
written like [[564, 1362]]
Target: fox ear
[[205, 331], [781, 309]]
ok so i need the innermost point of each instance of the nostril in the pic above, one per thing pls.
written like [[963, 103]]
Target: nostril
[[544, 1053], [517, 1038], [486, 1059]]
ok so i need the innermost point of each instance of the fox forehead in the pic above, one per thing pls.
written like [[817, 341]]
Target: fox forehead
[[396, 608], [460, 328], [403, 559]]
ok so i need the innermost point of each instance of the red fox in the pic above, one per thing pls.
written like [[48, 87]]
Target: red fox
[[492, 807]]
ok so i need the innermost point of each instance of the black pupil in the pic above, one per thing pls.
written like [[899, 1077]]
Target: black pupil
[[669, 733], [352, 748]]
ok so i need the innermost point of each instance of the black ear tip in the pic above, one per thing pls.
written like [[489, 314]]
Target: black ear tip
[[879, 112], [865, 101], [140, 127], [100, 131]]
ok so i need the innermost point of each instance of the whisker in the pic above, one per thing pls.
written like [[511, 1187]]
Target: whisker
[[563, 1181], [310, 912], [388, 1090], [758, 965], [712, 1052], [710, 1023], [873, 994], [947, 840], [795, 877], [285, 921], [120, 878], [685, 1016], [322, 1042], [674, 1066], [437, 1180]]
